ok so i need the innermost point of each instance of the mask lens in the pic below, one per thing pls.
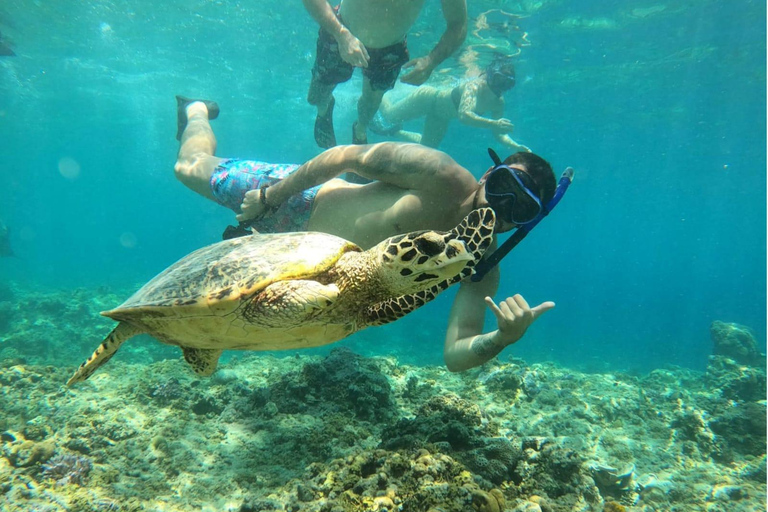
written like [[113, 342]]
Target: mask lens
[[503, 82], [510, 196]]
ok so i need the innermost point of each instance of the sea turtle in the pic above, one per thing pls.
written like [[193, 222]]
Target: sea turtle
[[291, 290]]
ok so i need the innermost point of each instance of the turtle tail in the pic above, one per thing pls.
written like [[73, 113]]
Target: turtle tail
[[104, 353]]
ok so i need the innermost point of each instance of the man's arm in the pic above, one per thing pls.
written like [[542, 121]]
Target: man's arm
[[465, 345], [408, 166], [455, 14], [350, 48]]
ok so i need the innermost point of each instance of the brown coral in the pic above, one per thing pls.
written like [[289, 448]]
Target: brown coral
[[612, 506]]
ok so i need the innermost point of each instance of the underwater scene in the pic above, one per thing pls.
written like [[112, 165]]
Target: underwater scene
[[304, 264]]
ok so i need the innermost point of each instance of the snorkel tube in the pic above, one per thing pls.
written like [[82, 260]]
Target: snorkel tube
[[521, 232]]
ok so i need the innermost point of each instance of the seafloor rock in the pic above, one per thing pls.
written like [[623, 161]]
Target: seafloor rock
[[382, 480], [737, 342], [742, 427], [444, 419], [736, 381], [22, 452], [342, 382]]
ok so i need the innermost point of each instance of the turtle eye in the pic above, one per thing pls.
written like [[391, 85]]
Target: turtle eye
[[429, 247]]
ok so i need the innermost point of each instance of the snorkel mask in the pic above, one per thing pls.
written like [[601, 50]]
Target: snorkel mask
[[500, 82], [516, 203], [509, 192], [500, 75]]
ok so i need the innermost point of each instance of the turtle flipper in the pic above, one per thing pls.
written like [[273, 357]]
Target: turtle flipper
[[104, 353], [202, 360]]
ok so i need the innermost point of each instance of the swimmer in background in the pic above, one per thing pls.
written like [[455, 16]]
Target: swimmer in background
[[467, 102]]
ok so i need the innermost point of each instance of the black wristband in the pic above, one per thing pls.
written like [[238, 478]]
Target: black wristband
[[263, 199]]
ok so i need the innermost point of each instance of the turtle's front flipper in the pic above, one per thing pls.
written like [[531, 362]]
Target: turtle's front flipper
[[104, 353], [202, 360]]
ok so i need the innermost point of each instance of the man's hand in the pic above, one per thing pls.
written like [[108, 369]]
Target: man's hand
[[352, 51], [422, 68], [252, 208], [514, 316]]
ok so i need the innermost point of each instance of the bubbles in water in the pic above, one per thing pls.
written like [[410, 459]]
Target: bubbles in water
[[69, 168], [128, 240]]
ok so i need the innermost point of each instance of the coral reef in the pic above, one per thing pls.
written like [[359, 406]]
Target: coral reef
[[67, 469], [342, 382], [736, 342], [344, 433]]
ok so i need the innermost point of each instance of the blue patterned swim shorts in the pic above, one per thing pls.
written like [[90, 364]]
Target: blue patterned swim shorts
[[233, 178]]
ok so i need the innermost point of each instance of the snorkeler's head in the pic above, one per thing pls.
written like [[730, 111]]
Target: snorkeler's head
[[518, 188], [500, 75], [539, 170]]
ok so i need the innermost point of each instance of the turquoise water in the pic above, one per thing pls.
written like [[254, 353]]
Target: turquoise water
[[659, 107]]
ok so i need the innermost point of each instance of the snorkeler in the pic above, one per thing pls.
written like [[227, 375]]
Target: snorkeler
[[372, 36], [466, 102], [416, 188]]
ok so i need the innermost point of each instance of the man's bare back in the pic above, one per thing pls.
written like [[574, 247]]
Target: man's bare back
[[380, 23], [370, 213]]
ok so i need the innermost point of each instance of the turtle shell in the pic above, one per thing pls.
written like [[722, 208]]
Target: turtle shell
[[213, 280]]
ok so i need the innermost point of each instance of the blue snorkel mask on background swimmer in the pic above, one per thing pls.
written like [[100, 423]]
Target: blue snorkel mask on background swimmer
[[500, 75], [511, 194]]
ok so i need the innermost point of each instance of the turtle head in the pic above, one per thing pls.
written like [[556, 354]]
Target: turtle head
[[421, 260]]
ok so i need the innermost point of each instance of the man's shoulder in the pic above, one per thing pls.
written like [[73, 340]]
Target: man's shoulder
[[449, 170]]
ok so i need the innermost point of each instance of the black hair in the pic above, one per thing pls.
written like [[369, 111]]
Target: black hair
[[501, 64], [539, 170]]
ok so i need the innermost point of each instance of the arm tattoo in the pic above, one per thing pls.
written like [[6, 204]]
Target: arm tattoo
[[484, 347]]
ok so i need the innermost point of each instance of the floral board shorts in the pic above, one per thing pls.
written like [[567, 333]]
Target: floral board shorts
[[233, 178]]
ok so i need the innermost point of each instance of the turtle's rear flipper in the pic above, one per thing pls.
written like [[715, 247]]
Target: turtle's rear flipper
[[104, 353], [202, 360]]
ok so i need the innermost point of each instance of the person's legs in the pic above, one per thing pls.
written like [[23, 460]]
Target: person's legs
[[416, 104], [435, 127], [328, 71], [195, 162], [367, 106], [321, 95], [379, 77]]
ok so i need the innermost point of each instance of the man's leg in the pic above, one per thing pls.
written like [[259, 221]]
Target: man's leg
[[321, 95], [328, 70], [195, 163], [435, 128], [367, 106]]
